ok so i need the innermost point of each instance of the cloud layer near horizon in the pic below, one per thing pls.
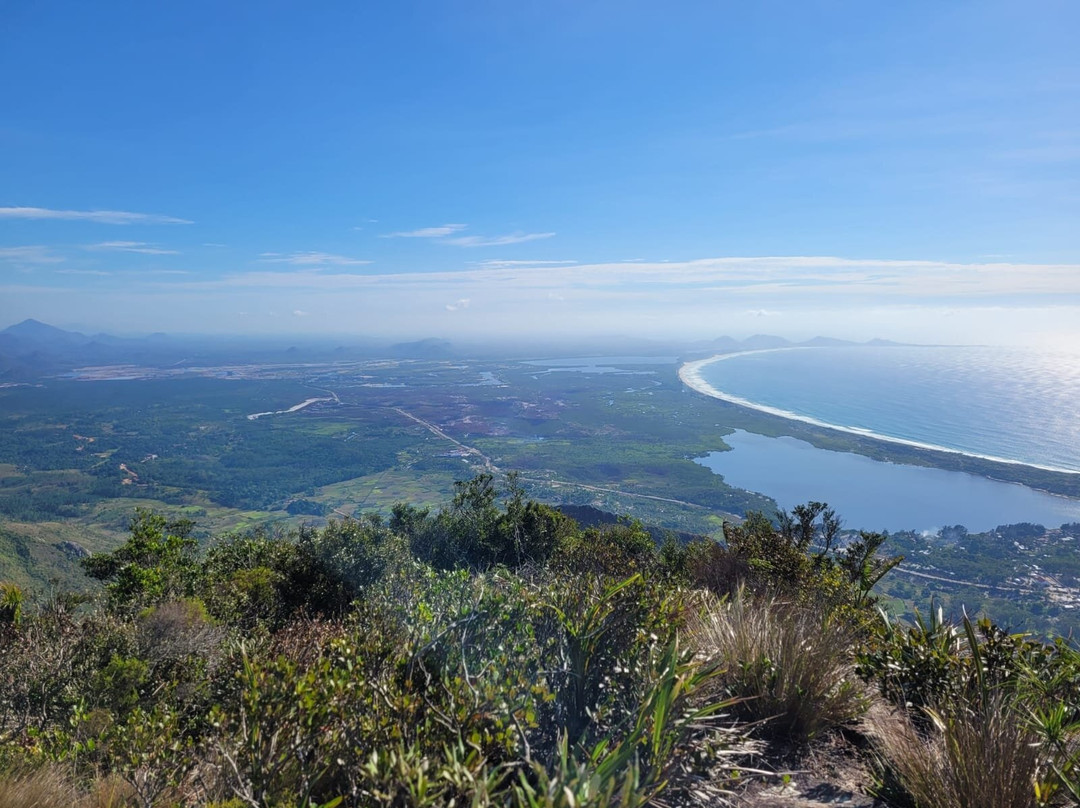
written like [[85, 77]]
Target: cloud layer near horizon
[[777, 277], [858, 298]]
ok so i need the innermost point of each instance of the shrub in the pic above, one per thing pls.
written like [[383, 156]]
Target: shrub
[[156, 562], [936, 661], [608, 551], [597, 642], [176, 630], [252, 578], [714, 567], [47, 668], [475, 533], [791, 665], [118, 686]]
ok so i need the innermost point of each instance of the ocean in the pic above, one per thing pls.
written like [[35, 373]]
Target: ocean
[[1015, 405]]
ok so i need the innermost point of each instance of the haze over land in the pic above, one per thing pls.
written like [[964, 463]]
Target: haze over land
[[480, 171]]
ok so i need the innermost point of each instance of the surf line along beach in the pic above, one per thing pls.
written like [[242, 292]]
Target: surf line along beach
[[690, 375]]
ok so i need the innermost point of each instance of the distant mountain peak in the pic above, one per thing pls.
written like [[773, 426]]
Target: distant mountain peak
[[765, 341], [35, 328], [38, 333], [429, 348]]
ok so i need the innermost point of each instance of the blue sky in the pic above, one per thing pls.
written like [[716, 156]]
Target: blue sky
[[413, 169]]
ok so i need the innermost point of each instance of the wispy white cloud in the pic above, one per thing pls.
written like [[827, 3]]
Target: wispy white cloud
[[98, 272], [301, 313], [130, 246], [495, 241], [444, 234], [99, 216], [441, 231], [922, 301], [31, 254], [311, 259], [495, 263]]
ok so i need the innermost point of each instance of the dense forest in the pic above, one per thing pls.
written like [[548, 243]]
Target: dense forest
[[496, 652]]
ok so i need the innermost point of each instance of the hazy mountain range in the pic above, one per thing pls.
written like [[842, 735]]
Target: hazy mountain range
[[32, 348]]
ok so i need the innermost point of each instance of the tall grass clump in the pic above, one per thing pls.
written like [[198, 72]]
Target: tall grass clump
[[43, 788], [989, 757], [790, 666], [54, 787]]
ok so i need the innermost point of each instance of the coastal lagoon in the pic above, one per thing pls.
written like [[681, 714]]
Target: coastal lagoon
[[873, 495]]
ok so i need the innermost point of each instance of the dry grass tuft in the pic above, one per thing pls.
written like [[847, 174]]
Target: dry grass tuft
[[109, 792], [51, 787], [987, 757], [792, 665], [42, 788]]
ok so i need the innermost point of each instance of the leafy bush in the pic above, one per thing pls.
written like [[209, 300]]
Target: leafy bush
[[798, 559], [251, 578], [475, 533], [990, 718], [936, 661], [47, 667], [608, 551], [156, 562], [177, 632]]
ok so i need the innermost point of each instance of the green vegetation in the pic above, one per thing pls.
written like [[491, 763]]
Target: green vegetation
[[334, 664], [493, 652], [72, 444]]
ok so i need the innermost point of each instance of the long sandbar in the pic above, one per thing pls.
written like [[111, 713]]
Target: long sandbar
[[690, 374]]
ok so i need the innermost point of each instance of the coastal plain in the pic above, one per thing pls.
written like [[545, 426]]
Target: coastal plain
[[79, 451]]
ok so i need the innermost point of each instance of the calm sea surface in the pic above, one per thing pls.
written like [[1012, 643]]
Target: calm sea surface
[[1015, 405]]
